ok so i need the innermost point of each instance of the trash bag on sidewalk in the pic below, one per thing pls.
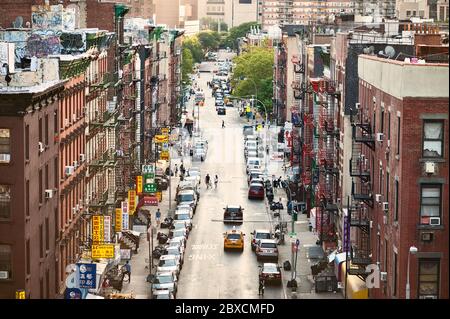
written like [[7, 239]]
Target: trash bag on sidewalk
[[287, 265]]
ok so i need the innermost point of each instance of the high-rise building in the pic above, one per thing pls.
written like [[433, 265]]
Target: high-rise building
[[232, 12]]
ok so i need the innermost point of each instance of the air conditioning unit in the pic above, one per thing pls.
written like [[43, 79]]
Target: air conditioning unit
[[383, 276], [74, 117], [77, 207], [435, 221], [378, 198], [69, 170], [371, 224], [380, 137], [66, 122], [41, 147], [385, 206], [75, 164], [82, 158], [357, 106], [430, 167], [4, 274], [48, 193]]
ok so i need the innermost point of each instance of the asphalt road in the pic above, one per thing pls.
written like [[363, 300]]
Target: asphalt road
[[208, 271]]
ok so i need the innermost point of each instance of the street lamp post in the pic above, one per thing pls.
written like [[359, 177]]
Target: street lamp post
[[412, 250]]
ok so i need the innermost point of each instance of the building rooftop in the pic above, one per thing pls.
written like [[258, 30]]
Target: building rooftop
[[29, 89]]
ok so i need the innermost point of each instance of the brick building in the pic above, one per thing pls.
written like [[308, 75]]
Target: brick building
[[402, 126]]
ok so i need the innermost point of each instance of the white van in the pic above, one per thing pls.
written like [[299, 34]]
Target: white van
[[253, 163], [251, 145]]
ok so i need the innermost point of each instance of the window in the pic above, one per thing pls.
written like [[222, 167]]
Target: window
[[40, 130], [398, 135], [5, 262], [5, 146], [41, 241], [47, 235], [396, 201], [385, 264], [5, 202], [55, 165], [27, 198], [55, 122], [408, 13], [374, 127], [40, 186], [41, 288], [428, 278], [394, 278], [382, 121], [46, 129], [389, 126], [27, 247], [430, 202], [433, 138], [387, 186], [27, 142]]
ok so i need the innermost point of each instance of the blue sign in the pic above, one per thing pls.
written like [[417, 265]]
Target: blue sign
[[87, 275], [72, 293]]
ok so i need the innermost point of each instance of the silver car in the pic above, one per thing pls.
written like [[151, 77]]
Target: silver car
[[267, 248], [165, 280], [169, 263]]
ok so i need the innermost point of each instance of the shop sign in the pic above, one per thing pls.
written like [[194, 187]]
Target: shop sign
[[125, 216], [87, 274], [118, 224], [150, 201], [102, 251], [107, 227], [131, 201], [161, 138], [139, 184], [98, 231], [164, 155]]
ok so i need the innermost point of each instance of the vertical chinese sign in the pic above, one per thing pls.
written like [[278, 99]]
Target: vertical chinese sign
[[125, 216], [118, 222], [107, 228], [139, 184], [98, 231], [131, 201]]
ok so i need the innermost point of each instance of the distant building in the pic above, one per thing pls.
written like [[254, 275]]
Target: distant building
[[232, 12]]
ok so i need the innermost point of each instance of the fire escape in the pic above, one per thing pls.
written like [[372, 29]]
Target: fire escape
[[280, 85], [362, 195], [327, 134]]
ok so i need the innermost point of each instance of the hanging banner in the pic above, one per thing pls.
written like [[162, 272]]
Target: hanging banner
[[139, 184], [107, 228], [165, 131], [125, 216], [118, 223], [159, 196], [98, 231], [87, 274], [102, 251], [131, 202], [161, 138]]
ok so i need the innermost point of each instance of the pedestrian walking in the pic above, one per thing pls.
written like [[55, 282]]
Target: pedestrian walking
[[176, 170], [158, 217], [261, 286], [207, 181], [267, 149], [126, 270], [279, 182], [216, 180]]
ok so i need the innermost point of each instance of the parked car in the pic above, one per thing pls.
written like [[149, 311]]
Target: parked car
[[219, 102], [233, 214], [259, 234], [169, 263], [266, 248], [163, 294], [254, 173], [163, 281], [248, 130], [256, 191], [176, 251], [258, 181], [175, 242], [187, 197], [177, 225], [253, 163], [270, 272], [184, 216], [188, 184]]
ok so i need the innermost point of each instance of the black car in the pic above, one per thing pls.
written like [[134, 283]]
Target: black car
[[233, 214], [221, 110], [219, 103]]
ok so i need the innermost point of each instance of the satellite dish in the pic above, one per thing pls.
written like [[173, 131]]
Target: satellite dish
[[369, 50], [389, 51], [18, 23]]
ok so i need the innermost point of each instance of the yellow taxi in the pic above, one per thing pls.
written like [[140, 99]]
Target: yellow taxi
[[233, 239]]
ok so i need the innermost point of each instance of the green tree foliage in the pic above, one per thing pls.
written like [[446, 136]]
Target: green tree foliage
[[256, 66], [238, 32], [187, 65], [193, 44], [209, 40]]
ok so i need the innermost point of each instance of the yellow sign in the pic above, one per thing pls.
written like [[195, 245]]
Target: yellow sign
[[118, 225], [131, 201], [20, 294], [161, 138], [139, 184], [164, 155], [165, 131], [259, 127], [103, 251], [98, 230], [247, 109], [159, 196]]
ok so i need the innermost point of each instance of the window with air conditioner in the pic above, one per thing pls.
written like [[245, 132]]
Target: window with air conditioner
[[430, 204], [48, 193], [5, 262], [5, 146], [429, 278], [433, 139]]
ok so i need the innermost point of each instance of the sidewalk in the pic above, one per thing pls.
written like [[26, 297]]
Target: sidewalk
[[139, 262]]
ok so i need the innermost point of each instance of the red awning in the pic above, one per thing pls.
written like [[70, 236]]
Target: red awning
[[147, 201]]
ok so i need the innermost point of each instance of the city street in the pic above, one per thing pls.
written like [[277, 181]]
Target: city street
[[209, 272]]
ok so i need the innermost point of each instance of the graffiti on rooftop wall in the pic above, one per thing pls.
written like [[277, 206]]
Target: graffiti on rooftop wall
[[52, 17], [72, 42], [19, 38], [40, 45]]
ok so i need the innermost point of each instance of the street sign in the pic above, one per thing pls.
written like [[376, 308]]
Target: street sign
[[148, 169], [165, 146], [164, 155], [139, 183], [107, 227], [87, 274], [131, 201], [125, 216], [159, 196], [150, 201], [98, 230], [150, 188], [161, 138]]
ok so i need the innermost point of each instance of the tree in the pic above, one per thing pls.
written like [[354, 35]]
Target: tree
[[239, 32], [255, 69], [209, 40], [187, 65], [193, 44]]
